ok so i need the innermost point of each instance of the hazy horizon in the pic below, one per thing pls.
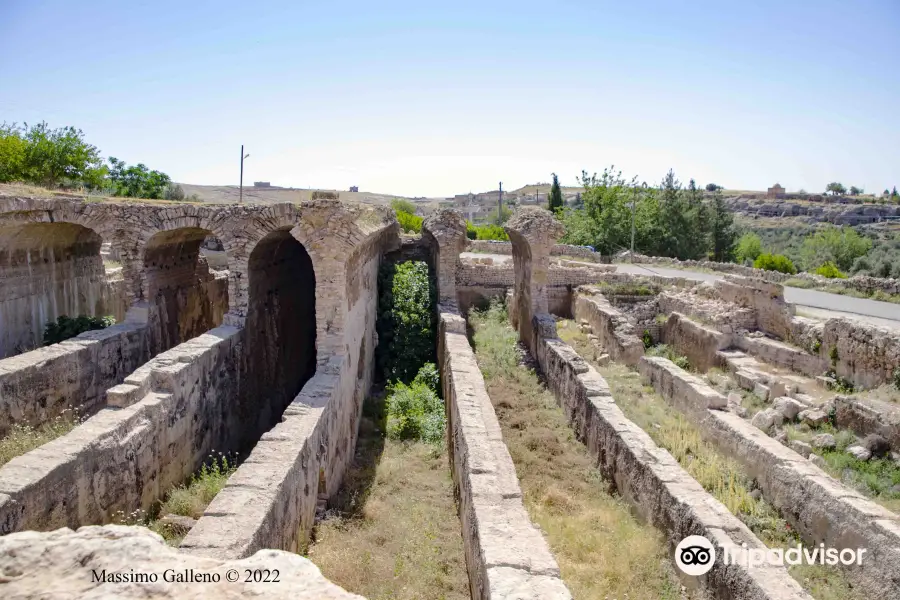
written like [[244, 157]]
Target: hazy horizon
[[421, 100]]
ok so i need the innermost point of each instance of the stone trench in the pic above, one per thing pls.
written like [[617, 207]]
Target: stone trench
[[271, 353]]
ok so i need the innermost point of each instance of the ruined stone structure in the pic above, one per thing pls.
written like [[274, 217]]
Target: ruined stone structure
[[272, 357]]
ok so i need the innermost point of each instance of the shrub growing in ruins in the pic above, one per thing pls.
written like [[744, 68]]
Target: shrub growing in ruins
[[406, 319], [409, 223], [428, 375], [66, 327], [414, 412], [775, 262]]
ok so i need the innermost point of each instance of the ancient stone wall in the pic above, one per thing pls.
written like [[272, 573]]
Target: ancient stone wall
[[773, 314], [496, 247], [867, 355], [38, 386], [695, 341], [164, 421], [616, 332], [504, 551], [652, 481], [821, 509], [48, 270], [270, 501]]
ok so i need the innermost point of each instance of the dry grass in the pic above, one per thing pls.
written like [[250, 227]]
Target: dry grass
[[719, 475], [603, 551], [24, 438], [392, 531]]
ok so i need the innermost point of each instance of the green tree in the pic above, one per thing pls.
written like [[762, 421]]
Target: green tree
[[137, 181], [12, 153], [399, 204], [555, 199], [835, 189], [712, 187], [749, 247], [840, 245], [855, 191], [55, 156], [775, 262], [722, 231]]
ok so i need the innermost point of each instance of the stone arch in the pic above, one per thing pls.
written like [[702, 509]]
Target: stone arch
[[48, 269], [186, 299], [280, 339]]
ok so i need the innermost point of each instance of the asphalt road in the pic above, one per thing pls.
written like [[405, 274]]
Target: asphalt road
[[811, 303]]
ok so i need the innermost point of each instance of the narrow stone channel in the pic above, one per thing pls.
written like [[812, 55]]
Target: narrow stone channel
[[392, 531], [603, 551]]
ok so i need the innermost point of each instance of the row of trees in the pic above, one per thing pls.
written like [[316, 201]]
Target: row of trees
[[830, 251], [836, 188], [665, 220], [61, 157]]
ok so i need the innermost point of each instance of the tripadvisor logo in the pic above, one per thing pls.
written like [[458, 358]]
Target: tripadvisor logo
[[695, 555]]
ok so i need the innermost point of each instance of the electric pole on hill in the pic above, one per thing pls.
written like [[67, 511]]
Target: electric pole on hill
[[500, 206], [243, 156]]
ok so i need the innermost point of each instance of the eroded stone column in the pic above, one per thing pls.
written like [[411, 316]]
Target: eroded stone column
[[446, 230], [533, 232]]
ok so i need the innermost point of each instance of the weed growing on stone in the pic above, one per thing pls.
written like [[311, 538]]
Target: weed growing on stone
[[603, 551], [25, 438], [669, 352], [191, 499]]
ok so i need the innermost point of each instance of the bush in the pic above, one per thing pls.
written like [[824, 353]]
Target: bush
[[405, 319], [749, 247], [65, 327], [775, 262], [401, 205], [830, 270], [428, 375], [409, 223], [486, 232], [647, 339], [414, 412], [840, 245]]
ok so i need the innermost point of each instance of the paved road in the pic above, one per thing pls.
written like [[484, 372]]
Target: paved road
[[821, 304], [811, 303]]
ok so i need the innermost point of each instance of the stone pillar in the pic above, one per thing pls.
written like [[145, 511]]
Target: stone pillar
[[533, 232], [446, 231]]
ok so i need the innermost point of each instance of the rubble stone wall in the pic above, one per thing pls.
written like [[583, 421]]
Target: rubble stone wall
[[820, 508], [773, 314], [494, 247], [867, 355]]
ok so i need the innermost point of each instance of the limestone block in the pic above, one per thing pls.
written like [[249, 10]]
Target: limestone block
[[762, 392], [801, 448], [824, 441], [788, 407], [859, 452], [813, 417]]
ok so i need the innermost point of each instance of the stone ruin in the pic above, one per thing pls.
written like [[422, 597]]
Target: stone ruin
[[271, 353]]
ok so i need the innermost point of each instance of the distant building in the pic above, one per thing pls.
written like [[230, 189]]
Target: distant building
[[354, 188], [262, 184], [776, 191]]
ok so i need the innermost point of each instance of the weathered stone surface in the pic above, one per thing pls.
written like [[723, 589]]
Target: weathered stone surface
[[614, 330], [446, 229], [766, 419], [61, 564], [866, 416], [506, 556], [762, 392], [821, 509], [859, 452], [697, 342], [801, 448], [788, 407], [824, 441], [813, 417], [653, 481]]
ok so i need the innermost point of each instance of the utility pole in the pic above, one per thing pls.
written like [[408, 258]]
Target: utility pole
[[500, 206], [243, 156], [633, 203]]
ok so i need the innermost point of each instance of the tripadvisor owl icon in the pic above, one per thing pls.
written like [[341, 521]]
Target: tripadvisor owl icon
[[695, 555]]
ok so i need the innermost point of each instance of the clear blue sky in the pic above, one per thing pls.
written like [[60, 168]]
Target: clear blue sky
[[424, 98]]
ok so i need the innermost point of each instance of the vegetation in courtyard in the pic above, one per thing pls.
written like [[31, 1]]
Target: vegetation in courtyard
[[22, 438], [406, 320], [61, 157], [719, 475], [602, 549], [66, 327], [391, 532], [416, 411], [775, 262], [669, 219], [669, 352]]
